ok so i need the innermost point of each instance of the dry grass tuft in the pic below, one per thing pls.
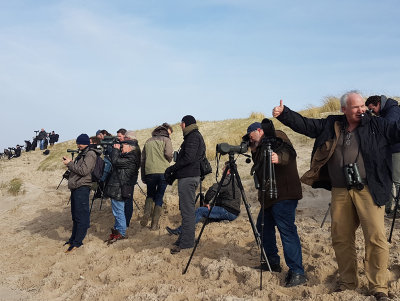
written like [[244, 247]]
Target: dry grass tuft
[[14, 187], [257, 115]]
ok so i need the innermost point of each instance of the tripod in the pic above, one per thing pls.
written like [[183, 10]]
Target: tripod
[[234, 176], [396, 207], [200, 195]]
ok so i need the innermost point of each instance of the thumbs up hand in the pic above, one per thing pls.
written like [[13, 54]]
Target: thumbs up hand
[[278, 110]]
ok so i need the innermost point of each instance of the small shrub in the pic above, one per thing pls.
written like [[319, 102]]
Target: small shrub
[[257, 115], [14, 187]]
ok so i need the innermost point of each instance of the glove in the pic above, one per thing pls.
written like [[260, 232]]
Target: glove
[[169, 175]]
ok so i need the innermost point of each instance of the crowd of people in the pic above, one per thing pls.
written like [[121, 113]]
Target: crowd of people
[[42, 138], [353, 156]]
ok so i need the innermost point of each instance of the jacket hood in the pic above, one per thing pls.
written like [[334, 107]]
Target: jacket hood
[[160, 131]]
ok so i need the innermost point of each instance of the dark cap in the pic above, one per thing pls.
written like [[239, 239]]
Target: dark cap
[[253, 127], [83, 139], [188, 120], [98, 132]]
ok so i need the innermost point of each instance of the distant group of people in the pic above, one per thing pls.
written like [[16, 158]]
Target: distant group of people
[[42, 138], [353, 157]]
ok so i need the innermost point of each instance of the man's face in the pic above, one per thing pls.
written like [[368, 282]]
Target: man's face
[[100, 136], [255, 136], [183, 125], [120, 137], [355, 107], [375, 109], [81, 146]]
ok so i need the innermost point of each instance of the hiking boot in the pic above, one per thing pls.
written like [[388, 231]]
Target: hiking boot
[[381, 296], [294, 279], [114, 237], [156, 217], [71, 248], [175, 231], [175, 250], [148, 207], [275, 267]]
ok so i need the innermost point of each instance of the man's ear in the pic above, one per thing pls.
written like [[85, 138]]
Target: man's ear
[[342, 109]]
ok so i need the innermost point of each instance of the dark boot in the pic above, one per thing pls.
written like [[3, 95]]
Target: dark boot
[[148, 206], [156, 217]]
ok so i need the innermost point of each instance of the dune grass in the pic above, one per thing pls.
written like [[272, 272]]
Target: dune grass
[[14, 187]]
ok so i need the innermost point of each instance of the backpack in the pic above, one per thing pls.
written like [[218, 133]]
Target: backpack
[[97, 172]]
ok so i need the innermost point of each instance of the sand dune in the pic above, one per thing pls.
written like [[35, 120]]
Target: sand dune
[[34, 226]]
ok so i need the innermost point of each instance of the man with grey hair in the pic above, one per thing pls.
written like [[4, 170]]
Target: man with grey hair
[[344, 160]]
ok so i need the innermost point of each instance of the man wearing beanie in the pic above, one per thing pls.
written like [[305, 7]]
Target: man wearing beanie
[[79, 182], [187, 171]]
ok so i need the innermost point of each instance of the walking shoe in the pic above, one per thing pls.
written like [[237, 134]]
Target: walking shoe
[[381, 296], [67, 243], [294, 279], [71, 248], [175, 231], [275, 267], [175, 250]]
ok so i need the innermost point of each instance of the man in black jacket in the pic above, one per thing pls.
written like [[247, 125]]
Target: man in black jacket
[[226, 205], [389, 109], [343, 142], [121, 184], [187, 171]]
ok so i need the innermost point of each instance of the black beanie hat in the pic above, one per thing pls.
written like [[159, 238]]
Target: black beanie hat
[[188, 120], [83, 139]]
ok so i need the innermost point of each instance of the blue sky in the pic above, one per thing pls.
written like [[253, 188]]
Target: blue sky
[[78, 66]]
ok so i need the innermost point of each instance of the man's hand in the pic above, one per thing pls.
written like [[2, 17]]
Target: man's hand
[[66, 160], [278, 110], [274, 158], [117, 146]]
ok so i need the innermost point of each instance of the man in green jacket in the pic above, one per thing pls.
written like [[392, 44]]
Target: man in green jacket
[[156, 156]]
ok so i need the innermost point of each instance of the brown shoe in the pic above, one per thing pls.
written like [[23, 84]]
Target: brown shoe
[[175, 250]]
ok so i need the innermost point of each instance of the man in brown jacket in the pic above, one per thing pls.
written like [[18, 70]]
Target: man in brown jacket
[[280, 210], [79, 182]]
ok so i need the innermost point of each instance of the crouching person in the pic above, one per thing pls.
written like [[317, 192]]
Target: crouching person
[[79, 182], [121, 184]]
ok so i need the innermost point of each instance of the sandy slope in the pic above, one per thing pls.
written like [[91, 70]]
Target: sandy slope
[[34, 226]]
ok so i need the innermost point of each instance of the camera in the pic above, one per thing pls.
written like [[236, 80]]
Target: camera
[[72, 150], [225, 148], [352, 176], [110, 140]]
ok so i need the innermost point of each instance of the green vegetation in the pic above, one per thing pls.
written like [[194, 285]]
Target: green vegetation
[[53, 161], [14, 187]]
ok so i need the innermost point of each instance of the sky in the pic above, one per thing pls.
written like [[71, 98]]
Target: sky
[[78, 66]]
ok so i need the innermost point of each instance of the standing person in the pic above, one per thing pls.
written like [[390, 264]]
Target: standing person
[[130, 135], [340, 140], [278, 212], [42, 137], [79, 182], [156, 157], [389, 109], [53, 137], [120, 185], [187, 171]]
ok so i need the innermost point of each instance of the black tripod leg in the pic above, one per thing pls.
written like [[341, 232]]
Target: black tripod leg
[[206, 221], [91, 205], [396, 207]]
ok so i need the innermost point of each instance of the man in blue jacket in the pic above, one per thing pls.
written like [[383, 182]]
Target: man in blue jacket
[[342, 143], [389, 109]]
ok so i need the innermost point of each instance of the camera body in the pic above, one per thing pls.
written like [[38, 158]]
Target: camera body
[[352, 176], [225, 148], [110, 140]]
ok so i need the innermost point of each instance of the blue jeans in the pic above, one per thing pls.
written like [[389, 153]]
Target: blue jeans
[[282, 215], [41, 144], [118, 210], [80, 215], [217, 213], [156, 186]]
